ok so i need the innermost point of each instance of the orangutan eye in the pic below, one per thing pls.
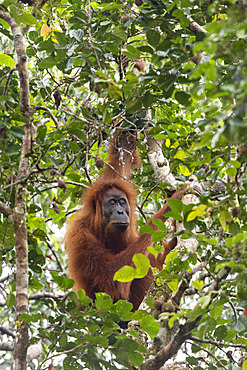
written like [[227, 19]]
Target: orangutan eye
[[112, 201], [122, 202]]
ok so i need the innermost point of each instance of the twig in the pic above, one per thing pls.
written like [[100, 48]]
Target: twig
[[6, 347], [195, 27], [40, 107], [59, 354], [211, 341], [7, 83], [5, 210], [184, 283], [57, 259], [7, 331], [45, 295], [145, 199], [209, 353]]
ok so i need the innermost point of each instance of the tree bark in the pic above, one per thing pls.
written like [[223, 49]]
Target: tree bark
[[19, 211]]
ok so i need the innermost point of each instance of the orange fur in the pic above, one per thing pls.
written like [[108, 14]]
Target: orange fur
[[95, 256]]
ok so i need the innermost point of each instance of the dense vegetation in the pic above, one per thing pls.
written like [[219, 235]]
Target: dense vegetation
[[61, 90]]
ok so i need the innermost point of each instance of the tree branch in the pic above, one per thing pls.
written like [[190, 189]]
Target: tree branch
[[6, 347], [185, 330], [184, 283], [40, 107], [215, 343], [52, 249], [38, 296], [195, 27], [6, 331], [210, 354], [5, 210]]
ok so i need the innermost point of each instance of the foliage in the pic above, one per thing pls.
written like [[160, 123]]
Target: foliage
[[195, 88]]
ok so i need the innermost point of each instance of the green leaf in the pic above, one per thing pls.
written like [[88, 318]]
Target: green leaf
[[107, 117], [63, 340], [192, 360], [35, 284], [6, 61], [183, 97], [231, 334], [153, 37], [160, 224], [10, 301], [103, 301], [19, 118], [146, 49], [198, 285], [134, 105], [77, 34], [197, 212], [184, 22], [30, 318], [61, 38], [177, 13], [27, 19], [172, 320], [125, 274], [146, 229], [12, 149], [204, 301], [47, 45], [118, 32], [148, 100], [107, 6], [150, 326], [221, 332], [224, 218], [131, 52], [142, 265], [176, 205], [231, 172], [17, 131], [216, 311], [48, 62], [158, 236], [7, 98], [135, 358]]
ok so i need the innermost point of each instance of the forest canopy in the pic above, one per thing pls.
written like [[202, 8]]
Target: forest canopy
[[175, 73]]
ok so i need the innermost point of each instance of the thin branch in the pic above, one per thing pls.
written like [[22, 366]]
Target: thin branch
[[195, 27], [3, 279], [5, 210], [215, 343], [6, 347], [210, 354], [7, 83], [222, 274], [76, 116], [40, 107], [59, 354], [184, 283], [145, 199], [7, 331], [39, 296], [52, 249]]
